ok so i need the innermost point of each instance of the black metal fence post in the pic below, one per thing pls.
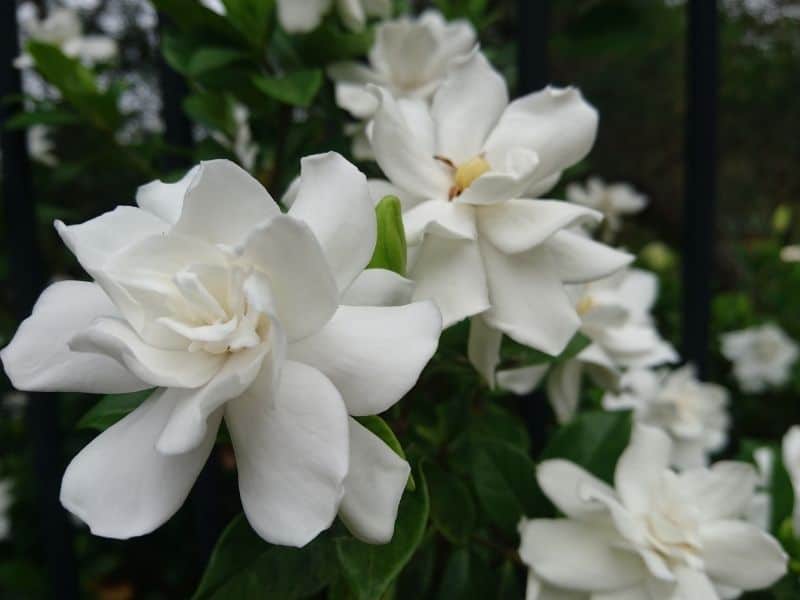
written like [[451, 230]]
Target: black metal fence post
[[28, 274], [700, 178]]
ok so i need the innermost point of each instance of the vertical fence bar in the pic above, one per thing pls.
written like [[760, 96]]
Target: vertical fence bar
[[28, 274], [700, 178], [533, 73], [178, 135]]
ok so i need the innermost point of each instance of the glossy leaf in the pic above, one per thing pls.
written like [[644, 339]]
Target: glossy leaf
[[111, 409]]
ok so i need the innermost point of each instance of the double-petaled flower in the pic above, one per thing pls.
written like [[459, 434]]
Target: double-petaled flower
[[614, 200], [762, 356], [656, 535], [233, 310]]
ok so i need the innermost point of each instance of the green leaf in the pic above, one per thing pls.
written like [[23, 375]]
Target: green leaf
[[467, 577], [369, 569], [212, 110], [380, 428], [528, 356], [111, 409], [593, 440], [53, 117], [245, 566], [210, 58], [452, 507], [505, 482], [252, 18], [297, 88], [497, 423], [390, 247]]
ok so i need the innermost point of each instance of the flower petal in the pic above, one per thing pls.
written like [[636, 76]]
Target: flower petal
[[39, 359], [163, 368], [579, 259], [223, 203], [334, 200], [564, 388], [301, 16], [522, 380], [121, 486], [466, 108], [519, 225], [292, 454], [577, 556], [451, 273], [503, 183], [373, 354], [442, 218], [641, 466], [565, 484], [373, 487], [483, 348], [165, 200], [529, 303], [557, 124], [724, 491], [379, 287], [300, 281], [740, 555]]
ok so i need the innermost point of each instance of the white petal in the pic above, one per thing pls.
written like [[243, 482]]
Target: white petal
[[740, 555], [292, 454], [300, 282], [373, 354], [404, 51], [373, 487], [566, 484], [38, 358], [503, 182], [402, 153], [352, 14], [641, 466], [301, 16], [564, 388], [442, 218], [537, 590], [379, 287], [121, 486], [519, 225], [483, 348], [790, 451], [94, 242], [466, 108], [725, 491], [356, 99], [380, 188], [165, 200], [529, 303], [164, 368], [451, 273], [334, 200], [557, 124], [694, 585], [522, 380], [223, 203], [579, 259], [577, 556]]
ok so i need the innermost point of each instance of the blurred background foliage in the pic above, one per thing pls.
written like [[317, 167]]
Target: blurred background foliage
[[627, 56]]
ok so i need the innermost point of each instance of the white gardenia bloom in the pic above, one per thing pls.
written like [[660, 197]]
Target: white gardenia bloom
[[692, 412], [231, 309], [790, 453], [655, 535], [40, 146], [616, 318], [63, 28], [614, 200], [762, 356], [302, 16], [461, 168], [5, 505]]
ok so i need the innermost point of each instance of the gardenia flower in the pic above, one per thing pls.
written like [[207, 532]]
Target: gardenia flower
[[656, 535], [693, 413], [233, 310], [614, 200], [63, 28], [460, 168], [40, 146], [410, 58], [790, 452], [5, 505], [615, 317], [302, 16], [762, 356]]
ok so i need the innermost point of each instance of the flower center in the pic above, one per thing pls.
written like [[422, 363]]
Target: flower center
[[465, 173], [584, 305]]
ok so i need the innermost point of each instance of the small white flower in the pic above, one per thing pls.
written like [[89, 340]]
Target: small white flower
[[614, 200], [461, 167], [242, 144], [790, 453], [40, 146], [693, 413], [656, 535], [5, 504], [231, 309], [302, 16], [63, 28], [615, 316], [791, 254], [762, 356]]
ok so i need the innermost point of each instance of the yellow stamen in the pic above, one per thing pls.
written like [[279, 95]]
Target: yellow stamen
[[585, 305], [470, 171]]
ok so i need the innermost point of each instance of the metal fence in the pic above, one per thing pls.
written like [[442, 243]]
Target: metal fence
[[27, 271]]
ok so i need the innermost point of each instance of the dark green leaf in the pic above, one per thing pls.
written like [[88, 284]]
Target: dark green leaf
[[212, 110], [52, 117], [210, 58], [298, 88], [497, 423], [452, 507], [467, 577], [245, 566], [252, 18], [390, 247], [369, 569], [111, 409], [379, 427]]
